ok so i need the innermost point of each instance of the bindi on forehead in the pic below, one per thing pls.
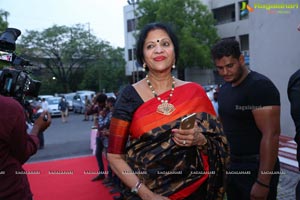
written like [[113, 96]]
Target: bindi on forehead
[[157, 41]]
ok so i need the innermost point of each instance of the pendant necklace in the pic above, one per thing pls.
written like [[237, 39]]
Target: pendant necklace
[[165, 107]]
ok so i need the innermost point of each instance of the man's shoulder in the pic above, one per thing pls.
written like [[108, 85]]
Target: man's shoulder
[[261, 81], [295, 77], [256, 76], [9, 103]]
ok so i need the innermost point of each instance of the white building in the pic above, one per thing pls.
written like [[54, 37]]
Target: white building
[[129, 31], [268, 36]]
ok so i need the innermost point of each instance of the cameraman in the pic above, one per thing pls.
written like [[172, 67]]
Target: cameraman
[[16, 147]]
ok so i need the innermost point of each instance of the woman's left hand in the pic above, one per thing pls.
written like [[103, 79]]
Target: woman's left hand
[[188, 137]]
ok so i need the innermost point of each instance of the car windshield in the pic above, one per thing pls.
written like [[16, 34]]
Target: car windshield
[[69, 97], [53, 101]]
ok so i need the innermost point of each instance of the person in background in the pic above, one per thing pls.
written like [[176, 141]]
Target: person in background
[[145, 138], [87, 105], [16, 148], [63, 107], [101, 113], [112, 179], [43, 107], [214, 102], [94, 103], [249, 109], [294, 98]]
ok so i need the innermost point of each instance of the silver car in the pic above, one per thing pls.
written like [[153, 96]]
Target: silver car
[[53, 106]]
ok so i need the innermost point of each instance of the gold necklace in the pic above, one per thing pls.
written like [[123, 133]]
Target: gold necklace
[[165, 107]]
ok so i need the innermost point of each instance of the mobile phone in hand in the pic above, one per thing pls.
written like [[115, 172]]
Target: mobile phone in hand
[[188, 122]]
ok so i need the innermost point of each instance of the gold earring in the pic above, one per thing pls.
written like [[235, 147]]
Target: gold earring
[[144, 67]]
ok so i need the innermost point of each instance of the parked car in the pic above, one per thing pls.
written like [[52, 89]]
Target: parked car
[[40, 97], [110, 94], [78, 100], [88, 92], [53, 106]]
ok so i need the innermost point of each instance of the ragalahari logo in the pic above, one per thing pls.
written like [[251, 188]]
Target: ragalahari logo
[[245, 9]]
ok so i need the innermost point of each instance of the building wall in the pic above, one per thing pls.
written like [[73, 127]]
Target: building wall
[[275, 52], [129, 40], [201, 76], [233, 29]]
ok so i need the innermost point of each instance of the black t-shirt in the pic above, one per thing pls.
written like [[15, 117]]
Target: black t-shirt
[[235, 109], [294, 97]]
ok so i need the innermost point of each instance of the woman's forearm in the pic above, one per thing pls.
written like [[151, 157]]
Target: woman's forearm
[[126, 174]]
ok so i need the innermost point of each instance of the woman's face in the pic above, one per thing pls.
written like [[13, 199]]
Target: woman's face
[[158, 51]]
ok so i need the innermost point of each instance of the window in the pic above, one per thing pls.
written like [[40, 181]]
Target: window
[[131, 54], [131, 25], [224, 14]]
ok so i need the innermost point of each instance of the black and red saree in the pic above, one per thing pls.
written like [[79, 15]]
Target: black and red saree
[[164, 167]]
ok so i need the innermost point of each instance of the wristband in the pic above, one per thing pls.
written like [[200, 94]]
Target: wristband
[[136, 188], [262, 184]]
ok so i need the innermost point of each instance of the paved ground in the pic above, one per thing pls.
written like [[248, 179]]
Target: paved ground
[[73, 139], [65, 139]]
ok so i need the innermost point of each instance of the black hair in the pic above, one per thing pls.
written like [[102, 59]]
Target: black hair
[[101, 98], [111, 100], [143, 34], [226, 47]]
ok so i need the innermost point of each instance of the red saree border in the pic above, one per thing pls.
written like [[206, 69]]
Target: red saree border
[[188, 98], [118, 135]]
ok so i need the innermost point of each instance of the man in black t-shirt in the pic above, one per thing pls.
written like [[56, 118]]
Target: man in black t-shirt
[[249, 108], [294, 97]]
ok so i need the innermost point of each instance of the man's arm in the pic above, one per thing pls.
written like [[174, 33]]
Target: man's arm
[[267, 120], [24, 145], [294, 97]]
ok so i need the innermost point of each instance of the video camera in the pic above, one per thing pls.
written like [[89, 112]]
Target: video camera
[[15, 80]]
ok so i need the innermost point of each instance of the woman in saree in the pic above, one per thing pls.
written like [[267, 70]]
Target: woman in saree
[[148, 151]]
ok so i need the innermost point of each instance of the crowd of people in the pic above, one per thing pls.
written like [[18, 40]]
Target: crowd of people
[[227, 150]]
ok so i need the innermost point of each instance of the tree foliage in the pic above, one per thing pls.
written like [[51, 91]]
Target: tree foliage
[[3, 26], [107, 75], [193, 24], [65, 52], [3, 20]]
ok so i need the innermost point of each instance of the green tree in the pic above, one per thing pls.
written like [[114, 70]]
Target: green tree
[[109, 71], [3, 26], [193, 24], [63, 52], [3, 20]]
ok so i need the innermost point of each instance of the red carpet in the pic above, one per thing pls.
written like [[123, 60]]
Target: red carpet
[[66, 179]]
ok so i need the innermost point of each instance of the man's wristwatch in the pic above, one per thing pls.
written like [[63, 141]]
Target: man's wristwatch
[[136, 188]]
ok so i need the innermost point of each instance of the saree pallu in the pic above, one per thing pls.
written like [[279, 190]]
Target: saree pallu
[[166, 168]]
